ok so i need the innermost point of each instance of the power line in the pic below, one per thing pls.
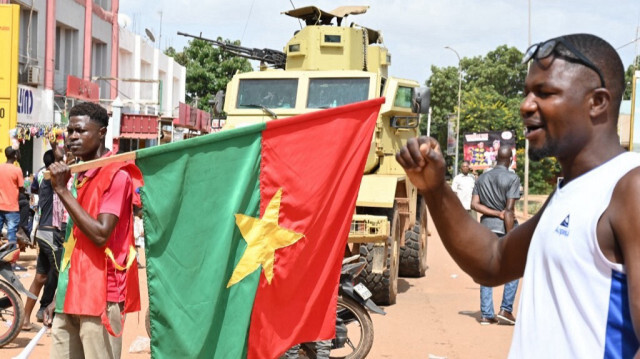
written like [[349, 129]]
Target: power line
[[627, 44]]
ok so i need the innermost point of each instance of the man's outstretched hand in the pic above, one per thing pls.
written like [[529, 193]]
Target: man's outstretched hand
[[423, 162]]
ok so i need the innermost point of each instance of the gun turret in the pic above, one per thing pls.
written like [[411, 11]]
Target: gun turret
[[276, 58]]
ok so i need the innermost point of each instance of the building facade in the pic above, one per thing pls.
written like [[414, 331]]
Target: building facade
[[74, 50], [149, 83]]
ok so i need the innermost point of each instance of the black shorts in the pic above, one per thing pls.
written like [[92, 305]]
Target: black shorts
[[47, 257]]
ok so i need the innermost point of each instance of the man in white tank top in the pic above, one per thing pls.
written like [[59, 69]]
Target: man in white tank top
[[580, 254]]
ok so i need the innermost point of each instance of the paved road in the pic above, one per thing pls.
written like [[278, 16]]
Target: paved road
[[134, 325], [435, 317]]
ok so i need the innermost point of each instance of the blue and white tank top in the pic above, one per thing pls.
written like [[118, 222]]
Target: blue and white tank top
[[574, 301]]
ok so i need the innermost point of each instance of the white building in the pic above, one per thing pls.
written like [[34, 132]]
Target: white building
[[67, 54], [149, 82]]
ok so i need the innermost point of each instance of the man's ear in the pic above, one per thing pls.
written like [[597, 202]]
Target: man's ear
[[103, 132], [599, 102]]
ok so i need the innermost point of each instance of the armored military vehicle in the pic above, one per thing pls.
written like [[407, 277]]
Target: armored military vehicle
[[326, 65]]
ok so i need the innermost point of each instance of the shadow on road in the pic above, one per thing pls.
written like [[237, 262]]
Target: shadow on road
[[18, 343], [403, 285], [473, 314]]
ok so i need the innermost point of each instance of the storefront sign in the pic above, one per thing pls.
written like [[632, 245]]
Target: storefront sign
[[451, 135], [481, 149], [31, 107], [82, 89]]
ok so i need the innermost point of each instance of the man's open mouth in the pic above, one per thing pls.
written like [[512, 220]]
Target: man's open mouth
[[531, 129]]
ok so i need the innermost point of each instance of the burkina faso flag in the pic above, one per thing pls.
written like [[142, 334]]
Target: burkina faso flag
[[246, 229]]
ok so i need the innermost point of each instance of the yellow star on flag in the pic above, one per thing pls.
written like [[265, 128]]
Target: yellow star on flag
[[263, 236], [69, 245]]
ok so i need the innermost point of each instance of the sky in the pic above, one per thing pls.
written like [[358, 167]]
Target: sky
[[415, 32]]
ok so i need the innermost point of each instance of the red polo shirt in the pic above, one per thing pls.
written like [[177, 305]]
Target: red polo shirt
[[117, 201], [10, 182]]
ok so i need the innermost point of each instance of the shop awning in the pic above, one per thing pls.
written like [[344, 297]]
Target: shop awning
[[144, 127], [140, 136]]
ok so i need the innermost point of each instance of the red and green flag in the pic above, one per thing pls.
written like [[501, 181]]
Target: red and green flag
[[246, 229]]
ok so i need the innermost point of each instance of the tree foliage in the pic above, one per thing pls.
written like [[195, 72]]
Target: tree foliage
[[492, 88], [628, 79], [209, 69]]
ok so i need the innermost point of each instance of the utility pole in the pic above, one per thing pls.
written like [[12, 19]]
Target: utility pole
[[455, 164]]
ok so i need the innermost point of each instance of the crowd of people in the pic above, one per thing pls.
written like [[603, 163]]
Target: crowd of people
[[578, 256]]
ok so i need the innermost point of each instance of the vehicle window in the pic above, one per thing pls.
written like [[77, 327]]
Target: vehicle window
[[403, 97], [270, 93], [325, 93]]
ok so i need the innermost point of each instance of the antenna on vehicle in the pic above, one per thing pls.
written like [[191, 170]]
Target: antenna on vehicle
[[294, 7], [150, 35], [160, 34]]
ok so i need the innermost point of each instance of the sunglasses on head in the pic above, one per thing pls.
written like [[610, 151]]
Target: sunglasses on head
[[545, 49]]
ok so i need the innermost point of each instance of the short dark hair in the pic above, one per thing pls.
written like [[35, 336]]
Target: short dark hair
[[605, 57], [48, 158], [10, 152], [95, 112]]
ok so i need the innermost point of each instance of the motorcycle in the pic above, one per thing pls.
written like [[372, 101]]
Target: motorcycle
[[354, 328], [11, 306]]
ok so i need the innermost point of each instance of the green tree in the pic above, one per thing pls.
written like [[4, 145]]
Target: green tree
[[628, 79], [540, 182], [492, 88], [209, 69]]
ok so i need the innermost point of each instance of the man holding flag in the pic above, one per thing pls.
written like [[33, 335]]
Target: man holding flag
[[98, 274], [248, 272]]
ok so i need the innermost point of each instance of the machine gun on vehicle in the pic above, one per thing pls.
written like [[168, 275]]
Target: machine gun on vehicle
[[272, 57]]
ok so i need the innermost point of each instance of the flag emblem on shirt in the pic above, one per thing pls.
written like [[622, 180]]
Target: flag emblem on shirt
[[563, 228]]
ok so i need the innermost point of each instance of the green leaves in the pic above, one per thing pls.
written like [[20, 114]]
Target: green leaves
[[209, 69], [628, 79], [492, 88]]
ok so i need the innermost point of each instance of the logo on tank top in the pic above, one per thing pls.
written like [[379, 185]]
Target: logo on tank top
[[563, 228]]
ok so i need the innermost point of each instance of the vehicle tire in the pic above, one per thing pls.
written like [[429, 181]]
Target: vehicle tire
[[11, 313], [359, 332], [413, 255], [383, 286]]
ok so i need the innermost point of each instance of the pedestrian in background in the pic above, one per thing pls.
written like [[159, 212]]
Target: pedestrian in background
[[49, 246], [494, 196], [463, 185], [11, 183]]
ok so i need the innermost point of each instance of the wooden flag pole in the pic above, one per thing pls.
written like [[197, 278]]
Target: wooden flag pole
[[100, 162]]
